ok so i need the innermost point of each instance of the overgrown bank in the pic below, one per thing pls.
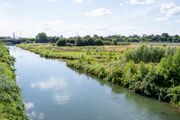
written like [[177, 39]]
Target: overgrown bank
[[152, 71], [11, 104]]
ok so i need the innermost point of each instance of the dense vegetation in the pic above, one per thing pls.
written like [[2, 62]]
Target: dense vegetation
[[27, 40], [147, 70], [100, 40], [11, 104], [4, 38]]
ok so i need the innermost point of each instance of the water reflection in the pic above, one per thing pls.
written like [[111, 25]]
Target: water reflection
[[51, 84], [62, 99], [29, 106], [36, 116], [61, 95], [33, 115]]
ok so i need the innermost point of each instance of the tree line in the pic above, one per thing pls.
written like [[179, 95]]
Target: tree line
[[100, 40]]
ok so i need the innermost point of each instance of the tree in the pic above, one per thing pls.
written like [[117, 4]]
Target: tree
[[99, 42], [176, 38], [53, 39], [61, 42], [42, 38], [165, 37], [79, 41]]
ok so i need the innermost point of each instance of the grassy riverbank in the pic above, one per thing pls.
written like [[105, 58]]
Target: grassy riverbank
[[11, 104], [152, 71]]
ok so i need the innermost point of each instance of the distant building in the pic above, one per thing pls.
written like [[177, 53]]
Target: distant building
[[5, 37]]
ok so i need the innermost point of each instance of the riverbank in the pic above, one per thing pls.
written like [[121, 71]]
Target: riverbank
[[146, 70], [11, 103]]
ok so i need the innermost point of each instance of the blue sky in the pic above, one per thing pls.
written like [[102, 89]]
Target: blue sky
[[81, 17]]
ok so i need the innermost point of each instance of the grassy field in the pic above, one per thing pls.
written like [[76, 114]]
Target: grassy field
[[11, 104], [151, 70]]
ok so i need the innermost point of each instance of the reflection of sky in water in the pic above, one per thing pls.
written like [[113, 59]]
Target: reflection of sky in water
[[62, 99], [58, 86], [33, 115], [60, 94], [51, 84], [29, 106]]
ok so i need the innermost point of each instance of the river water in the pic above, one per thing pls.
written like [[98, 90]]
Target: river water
[[52, 91]]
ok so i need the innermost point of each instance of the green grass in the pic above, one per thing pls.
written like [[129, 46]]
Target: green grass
[[148, 70], [11, 104]]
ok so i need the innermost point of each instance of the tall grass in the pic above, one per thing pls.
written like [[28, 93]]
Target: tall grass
[[11, 104]]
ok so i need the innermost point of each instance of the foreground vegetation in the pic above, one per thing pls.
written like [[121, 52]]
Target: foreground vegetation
[[148, 70], [11, 104]]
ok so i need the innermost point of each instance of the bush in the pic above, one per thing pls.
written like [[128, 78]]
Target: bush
[[116, 76], [169, 68], [175, 95], [101, 73], [145, 54], [130, 71]]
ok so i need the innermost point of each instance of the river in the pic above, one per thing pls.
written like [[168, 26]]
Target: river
[[52, 91]]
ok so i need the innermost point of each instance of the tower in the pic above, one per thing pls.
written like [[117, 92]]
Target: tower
[[14, 35]]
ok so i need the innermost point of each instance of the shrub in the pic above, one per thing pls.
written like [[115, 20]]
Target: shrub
[[145, 54], [175, 95], [115, 76], [169, 68], [101, 73]]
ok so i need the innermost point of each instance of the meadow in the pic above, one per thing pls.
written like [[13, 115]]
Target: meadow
[[11, 103], [151, 70]]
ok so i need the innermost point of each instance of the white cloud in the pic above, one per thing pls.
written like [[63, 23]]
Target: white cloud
[[167, 7], [170, 9], [142, 2], [76, 1], [4, 6], [121, 4], [161, 19], [99, 12], [79, 1], [52, 0], [30, 27], [177, 21]]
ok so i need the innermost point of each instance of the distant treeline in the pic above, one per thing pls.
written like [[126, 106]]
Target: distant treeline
[[100, 40]]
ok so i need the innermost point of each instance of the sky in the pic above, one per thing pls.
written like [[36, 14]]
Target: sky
[[88, 17]]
